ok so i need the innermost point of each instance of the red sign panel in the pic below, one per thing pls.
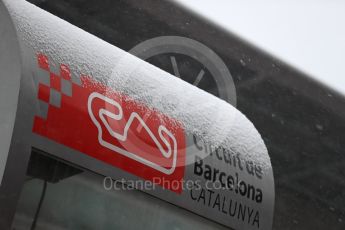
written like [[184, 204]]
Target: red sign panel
[[95, 120]]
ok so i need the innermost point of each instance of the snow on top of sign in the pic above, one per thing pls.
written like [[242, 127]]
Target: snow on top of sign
[[200, 112]]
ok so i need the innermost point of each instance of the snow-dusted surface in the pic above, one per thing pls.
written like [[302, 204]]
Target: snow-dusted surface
[[200, 112]]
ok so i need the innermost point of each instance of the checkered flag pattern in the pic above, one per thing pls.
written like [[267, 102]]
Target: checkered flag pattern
[[53, 81]]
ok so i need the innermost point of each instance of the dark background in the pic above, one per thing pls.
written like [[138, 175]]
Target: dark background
[[301, 122]]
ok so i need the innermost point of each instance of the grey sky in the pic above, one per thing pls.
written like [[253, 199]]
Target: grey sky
[[308, 34]]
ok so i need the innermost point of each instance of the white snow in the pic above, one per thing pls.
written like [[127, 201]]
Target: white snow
[[200, 112]]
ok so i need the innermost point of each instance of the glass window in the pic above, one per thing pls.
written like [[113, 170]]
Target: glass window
[[75, 199]]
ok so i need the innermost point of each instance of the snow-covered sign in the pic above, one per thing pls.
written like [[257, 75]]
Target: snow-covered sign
[[103, 109]]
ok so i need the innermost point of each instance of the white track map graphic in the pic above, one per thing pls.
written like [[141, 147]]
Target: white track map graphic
[[123, 137]]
